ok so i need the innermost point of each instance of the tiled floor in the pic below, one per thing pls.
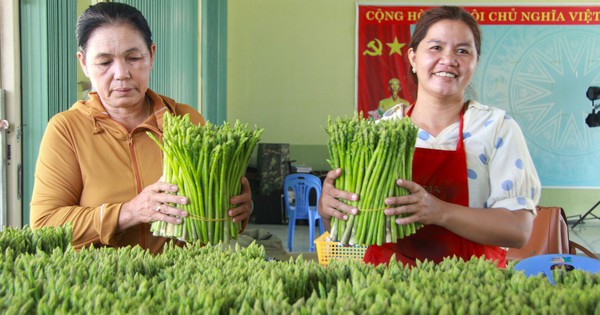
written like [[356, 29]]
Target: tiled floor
[[301, 244], [586, 233]]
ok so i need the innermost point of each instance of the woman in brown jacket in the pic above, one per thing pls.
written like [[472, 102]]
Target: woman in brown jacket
[[97, 167]]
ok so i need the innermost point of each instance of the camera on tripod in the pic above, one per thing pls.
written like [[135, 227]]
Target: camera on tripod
[[593, 119]]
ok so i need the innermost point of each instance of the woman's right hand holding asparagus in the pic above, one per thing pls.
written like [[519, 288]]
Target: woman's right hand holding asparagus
[[331, 203]]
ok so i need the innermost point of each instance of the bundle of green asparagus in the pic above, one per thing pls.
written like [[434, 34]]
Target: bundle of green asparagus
[[372, 157], [207, 163]]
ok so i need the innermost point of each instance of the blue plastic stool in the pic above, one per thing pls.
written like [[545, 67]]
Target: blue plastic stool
[[535, 265], [302, 185]]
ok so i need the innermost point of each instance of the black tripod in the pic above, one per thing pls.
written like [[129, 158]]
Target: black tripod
[[586, 214]]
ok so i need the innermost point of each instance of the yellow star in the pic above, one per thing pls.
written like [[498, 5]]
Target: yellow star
[[395, 47]]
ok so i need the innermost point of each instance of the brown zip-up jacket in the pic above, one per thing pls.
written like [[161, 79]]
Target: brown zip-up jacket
[[89, 165]]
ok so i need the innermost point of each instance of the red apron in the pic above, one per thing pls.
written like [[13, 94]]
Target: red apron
[[444, 174]]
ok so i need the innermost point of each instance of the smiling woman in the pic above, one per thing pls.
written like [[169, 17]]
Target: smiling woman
[[474, 185], [97, 167]]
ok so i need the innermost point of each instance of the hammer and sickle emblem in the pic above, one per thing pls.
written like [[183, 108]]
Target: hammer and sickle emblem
[[374, 48]]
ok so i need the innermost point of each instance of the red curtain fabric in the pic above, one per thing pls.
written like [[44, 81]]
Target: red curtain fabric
[[382, 55]]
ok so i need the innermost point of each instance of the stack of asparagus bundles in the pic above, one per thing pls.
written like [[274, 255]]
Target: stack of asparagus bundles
[[207, 163], [372, 157]]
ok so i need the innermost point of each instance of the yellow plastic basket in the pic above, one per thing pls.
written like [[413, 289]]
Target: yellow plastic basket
[[328, 251]]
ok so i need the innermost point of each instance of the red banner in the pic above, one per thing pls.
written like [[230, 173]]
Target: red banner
[[384, 34]]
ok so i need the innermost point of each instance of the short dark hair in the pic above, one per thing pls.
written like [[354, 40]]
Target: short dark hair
[[113, 13], [435, 15]]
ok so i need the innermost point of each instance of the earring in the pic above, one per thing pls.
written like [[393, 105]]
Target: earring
[[413, 70]]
